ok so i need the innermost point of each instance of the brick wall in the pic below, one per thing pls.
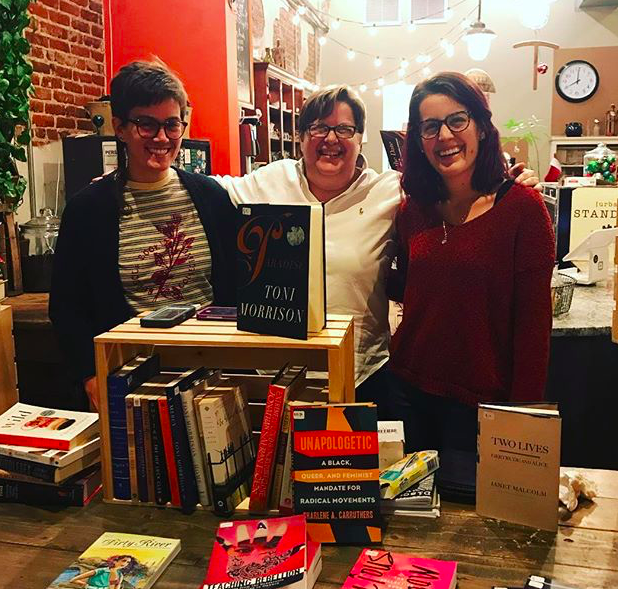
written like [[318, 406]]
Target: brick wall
[[68, 57], [313, 63], [290, 36]]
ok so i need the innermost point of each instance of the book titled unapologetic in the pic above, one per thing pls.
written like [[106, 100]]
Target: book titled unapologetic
[[518, 470], [280, 270], [335, 472], [120, 560], [400, 571]]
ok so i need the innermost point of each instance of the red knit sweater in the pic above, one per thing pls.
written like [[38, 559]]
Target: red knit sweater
[[477, 310]]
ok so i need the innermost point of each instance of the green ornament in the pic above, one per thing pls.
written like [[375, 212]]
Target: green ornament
[[606, 174], [605, 166], [592, 166], [611, 178], [612, 159]]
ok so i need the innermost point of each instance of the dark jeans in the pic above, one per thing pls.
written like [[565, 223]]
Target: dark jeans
[[438, 423], [376, 389]]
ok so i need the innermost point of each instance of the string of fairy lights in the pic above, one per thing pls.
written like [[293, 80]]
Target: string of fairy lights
[[401, 72]]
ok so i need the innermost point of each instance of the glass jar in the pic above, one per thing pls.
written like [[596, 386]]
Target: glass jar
[[38, 243], [600, 162]]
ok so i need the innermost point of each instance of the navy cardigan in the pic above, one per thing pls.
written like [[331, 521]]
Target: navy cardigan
[[87, 297]]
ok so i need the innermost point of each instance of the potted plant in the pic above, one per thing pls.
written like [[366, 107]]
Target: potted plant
[[15, 88], [525, 131]]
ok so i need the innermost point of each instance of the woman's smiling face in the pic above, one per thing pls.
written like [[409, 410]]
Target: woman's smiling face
[[452, 154]]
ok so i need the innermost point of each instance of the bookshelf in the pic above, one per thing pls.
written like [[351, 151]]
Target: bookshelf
[[220, 344], [8, 371], [279, 96]]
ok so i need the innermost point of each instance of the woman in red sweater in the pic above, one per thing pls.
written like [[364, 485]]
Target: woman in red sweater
[[475, 264]]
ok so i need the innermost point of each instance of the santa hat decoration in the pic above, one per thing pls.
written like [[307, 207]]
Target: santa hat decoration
[[555, 170]]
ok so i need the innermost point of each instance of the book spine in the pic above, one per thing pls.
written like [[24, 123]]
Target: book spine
[[44, 472], [148, 449], [12, 491], [140, 452], [286, 501], [168, 445], [275, 493], [161, 482], [266, 450], [182, 455], [195, 446], [130, 428], [35, 442]]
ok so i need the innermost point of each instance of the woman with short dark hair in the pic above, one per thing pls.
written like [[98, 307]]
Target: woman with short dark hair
[[145, 236], [475, 264]]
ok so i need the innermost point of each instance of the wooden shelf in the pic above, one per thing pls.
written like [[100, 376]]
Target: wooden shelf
[[220, 344]]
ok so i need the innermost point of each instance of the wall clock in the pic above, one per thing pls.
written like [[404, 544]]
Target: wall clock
[[577, 80]]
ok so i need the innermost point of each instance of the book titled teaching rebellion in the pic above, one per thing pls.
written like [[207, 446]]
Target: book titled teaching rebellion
[[335, 471], [280, 270]]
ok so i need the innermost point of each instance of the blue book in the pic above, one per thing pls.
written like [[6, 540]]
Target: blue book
[[140, 450], [161, 482], [119, 385]]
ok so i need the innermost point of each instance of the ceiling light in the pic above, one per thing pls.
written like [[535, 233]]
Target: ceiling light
[[335, 24], [377, 61], [363, 88], [351, 54], [478, 38]]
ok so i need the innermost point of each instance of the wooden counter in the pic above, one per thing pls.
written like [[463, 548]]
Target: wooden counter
[[37, 543]]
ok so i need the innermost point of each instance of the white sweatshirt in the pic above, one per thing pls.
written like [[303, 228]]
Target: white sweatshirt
[[360, 245]]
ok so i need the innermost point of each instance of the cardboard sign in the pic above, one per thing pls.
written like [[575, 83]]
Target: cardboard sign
[[518, 469]]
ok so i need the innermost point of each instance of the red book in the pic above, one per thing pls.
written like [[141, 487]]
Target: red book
[[400, 571], [278, 391], [168, 446]]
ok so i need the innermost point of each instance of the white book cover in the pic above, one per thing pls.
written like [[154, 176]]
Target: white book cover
[[59, 458], [59, 429]]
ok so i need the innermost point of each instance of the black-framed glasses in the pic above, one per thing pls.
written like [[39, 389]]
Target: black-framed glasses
[[322, 130], [148, 127], [456, 122]]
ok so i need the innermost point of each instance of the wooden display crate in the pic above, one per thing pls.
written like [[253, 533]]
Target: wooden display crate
[[8, 372], [218, 344]]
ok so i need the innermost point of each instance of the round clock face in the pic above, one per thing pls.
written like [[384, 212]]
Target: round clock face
[[577, 81]]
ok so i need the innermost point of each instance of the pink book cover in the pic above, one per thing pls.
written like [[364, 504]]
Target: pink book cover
[[400, 571], [271, 550]]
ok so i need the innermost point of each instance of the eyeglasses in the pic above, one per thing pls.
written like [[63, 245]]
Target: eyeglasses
[[456, 122], [147, 127], [342, 131]]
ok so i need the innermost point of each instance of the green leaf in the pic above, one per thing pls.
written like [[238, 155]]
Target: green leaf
[[6, 4], [24, 138]]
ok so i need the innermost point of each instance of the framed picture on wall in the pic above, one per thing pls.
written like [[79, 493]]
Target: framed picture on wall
[[244, 52]]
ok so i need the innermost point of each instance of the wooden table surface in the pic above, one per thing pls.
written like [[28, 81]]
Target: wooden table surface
[[36, 544]]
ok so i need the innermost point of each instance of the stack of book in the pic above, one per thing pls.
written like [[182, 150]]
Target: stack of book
[[49, 456], [179, 437], [408, 487]]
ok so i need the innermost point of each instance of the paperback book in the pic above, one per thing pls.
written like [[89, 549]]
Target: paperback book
[[119, 561], [412, 468], [335, 466], [59, 458], [281, 274], [400, 571], [28, 425], [269, 553], [35, 471]]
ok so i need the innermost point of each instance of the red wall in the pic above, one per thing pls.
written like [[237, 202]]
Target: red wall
[[197, 39]]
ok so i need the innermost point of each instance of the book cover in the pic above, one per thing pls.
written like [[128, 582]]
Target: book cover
[[283, 383], [47, 472], [420, 494], [400, 571], [59, 458], [391, 440], [119, 384], [518, 465], [161, 481], [280, 270], [77, 491], [119, 561], [28, 425], [335, 465], [140, 449], [409, 470], [168, 450], [394, 143], [268, 553], [131, 450]]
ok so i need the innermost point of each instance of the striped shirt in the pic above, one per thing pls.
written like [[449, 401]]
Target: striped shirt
[[164, 255]]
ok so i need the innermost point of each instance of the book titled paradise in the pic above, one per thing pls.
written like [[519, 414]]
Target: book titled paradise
[[281, 284], [400, 571], [39, 427], [120, 560]]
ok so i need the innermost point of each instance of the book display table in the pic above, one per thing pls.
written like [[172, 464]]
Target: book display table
[[38, 543], [218, 344]]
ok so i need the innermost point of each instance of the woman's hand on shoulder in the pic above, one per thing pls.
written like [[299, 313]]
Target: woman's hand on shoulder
[[525, 176]]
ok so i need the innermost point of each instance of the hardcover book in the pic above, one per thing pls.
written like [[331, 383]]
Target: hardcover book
[[28, 425], [59, 458], [287, 380], [518, 466], [400, 571], [119, 384], [119, 561], [281, 275], [335, 465], [268, 553], [47, 472], [394, 143]]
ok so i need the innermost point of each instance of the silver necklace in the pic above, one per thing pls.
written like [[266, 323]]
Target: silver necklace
[[462, 220]]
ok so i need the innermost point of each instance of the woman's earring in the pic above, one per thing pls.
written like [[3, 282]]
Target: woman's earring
[[482, 136]]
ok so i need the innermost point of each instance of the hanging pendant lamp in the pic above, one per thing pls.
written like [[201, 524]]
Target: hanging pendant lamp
[[478, 38]]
